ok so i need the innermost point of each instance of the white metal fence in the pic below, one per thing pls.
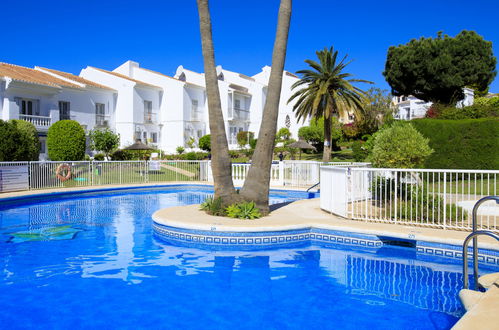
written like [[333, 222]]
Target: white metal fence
[[49, 174], [433, 198]]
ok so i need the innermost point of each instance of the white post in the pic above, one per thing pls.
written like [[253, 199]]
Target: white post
[[281, 173]]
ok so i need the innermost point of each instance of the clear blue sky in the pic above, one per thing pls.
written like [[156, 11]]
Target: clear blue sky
[[162, 34]]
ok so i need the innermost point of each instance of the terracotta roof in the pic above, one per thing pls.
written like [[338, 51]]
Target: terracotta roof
[[73, 77], [125, 77], [32, 76]]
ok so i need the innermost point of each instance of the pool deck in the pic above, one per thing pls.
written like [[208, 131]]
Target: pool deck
[[305, 214]]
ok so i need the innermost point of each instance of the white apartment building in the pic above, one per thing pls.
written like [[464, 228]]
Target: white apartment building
[[44, 96], [410, 107], [139, 103]]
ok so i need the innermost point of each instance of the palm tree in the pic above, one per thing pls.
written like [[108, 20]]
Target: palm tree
[[220, 160], [257, 184], [325, 91]]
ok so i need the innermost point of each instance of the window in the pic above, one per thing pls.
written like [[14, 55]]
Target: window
[[154, 137], [200, 133], [64, 110], [237, 104], [145, 137], [194, 105], [100, 114], [147, 106], [29, 107]]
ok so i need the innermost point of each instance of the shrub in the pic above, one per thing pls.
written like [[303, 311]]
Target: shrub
[[234, 154], [487, 101], [213, 206], [180, 150], [99, 157], [205, 143], [360, 153], [28, 145], [10, 136], [475, 111], [104, 140], [66, 141], [191, 156], [461, 144], [245, 210], [121, 155], [400, 146], [413, 202], [350, 131], [253, 143], [243, 138]]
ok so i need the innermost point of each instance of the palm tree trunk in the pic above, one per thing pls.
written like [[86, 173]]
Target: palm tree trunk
[[220, 161], [326, 156], [256, 186]]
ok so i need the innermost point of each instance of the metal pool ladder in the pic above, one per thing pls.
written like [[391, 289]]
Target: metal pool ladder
[[474, 235]]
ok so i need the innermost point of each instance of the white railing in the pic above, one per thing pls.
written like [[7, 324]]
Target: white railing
[[240, 171], [50, 174], [432, 198], [38, 121], [241, 114], [301, 173]]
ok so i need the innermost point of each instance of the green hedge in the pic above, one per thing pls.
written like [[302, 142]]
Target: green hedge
[[19, 141], [461, 144], [66, 141]]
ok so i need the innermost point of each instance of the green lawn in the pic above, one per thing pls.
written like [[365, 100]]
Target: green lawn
[[479, 187]]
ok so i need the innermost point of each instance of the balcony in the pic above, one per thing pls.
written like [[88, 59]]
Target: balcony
[[241, 114], [40, 122], [101, 121], [150, 118], [196, 116]]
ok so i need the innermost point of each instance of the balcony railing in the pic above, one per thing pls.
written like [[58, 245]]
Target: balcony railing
[[196, 116], [150, 118], [241, 114], [101, 121], [40, 122]]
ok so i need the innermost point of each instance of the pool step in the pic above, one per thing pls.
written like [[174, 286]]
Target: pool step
[[469, 298], [486, 281]]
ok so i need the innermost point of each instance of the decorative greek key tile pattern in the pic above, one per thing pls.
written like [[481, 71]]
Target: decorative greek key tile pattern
[[310, 235]]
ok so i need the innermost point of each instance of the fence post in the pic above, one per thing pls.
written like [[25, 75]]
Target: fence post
[[146, 171], [91, 169], [281, 173], [445, 200], [395, 214]]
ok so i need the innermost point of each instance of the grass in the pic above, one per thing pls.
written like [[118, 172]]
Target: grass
[[114, 174], [472, 187], [345, 155]]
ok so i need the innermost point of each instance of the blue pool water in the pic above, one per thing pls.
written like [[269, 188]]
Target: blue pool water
[[92, 262]]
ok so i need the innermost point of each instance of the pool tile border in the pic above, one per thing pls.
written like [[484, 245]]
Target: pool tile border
[[287, 238]]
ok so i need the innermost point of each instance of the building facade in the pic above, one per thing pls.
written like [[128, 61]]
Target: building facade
[[138, 103], [410, 107]]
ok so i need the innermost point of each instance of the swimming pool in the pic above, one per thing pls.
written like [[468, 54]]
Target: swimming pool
[[90, 261]]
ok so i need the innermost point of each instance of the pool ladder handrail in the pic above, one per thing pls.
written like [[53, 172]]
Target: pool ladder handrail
[[474, 235], [315, 185]]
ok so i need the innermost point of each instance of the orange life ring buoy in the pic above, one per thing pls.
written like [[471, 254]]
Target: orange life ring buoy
[[59, 172]]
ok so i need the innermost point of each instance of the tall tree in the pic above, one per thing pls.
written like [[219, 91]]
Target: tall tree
[[257, 184], [438, 69], [325, 91], [220, 160]]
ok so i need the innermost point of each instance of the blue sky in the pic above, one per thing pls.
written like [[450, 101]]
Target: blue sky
[[162, 34]]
